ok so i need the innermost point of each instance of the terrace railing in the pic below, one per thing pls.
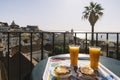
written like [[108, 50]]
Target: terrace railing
[[26, 46]]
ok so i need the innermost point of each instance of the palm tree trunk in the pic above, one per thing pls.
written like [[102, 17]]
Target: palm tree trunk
[[92, 36]]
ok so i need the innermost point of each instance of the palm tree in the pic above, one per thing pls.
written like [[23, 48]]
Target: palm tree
[[92, 13]]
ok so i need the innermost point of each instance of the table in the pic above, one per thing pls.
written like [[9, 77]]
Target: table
[[111, 64]]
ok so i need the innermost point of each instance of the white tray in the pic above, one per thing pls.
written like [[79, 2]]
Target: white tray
[[55, 61]]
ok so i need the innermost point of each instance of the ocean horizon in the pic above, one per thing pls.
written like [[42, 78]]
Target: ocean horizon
[[101, 37]]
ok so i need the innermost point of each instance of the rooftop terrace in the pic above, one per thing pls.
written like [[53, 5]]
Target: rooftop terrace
[[20, 53]]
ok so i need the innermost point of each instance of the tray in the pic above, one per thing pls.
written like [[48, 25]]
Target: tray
[[104, 73]]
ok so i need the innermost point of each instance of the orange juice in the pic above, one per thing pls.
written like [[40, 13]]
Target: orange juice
[[94, 57], [74, 50]]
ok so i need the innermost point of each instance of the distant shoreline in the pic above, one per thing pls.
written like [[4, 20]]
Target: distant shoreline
[[101, 37]]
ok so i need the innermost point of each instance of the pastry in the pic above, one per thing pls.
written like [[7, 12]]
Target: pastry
[[61, 72], [87, 70]]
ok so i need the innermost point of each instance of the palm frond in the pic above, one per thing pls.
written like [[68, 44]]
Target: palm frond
[[85, 16], [98, 7], [84, 12], [100, 13], [92, 4], [87, 8]]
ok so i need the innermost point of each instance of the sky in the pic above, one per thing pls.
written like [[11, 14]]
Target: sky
[[60, 15]]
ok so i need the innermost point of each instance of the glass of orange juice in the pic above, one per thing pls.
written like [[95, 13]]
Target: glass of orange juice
[[74, 50], [94, 57]]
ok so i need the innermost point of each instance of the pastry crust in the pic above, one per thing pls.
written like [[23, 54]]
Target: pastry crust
[[87, 70], [61, 72]]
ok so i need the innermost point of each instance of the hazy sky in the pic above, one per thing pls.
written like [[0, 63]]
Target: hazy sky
[[59, 15]]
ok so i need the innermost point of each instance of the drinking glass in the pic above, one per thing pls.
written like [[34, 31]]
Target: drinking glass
[[94, 57], [74, 50]]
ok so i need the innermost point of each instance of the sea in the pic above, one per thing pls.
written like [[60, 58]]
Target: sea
[[101, 37]]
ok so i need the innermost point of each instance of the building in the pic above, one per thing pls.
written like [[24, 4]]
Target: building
[[32, 28], [4, 26], [14, 27], [59, 37]]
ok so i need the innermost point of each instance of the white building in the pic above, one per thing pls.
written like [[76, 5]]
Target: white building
[[4, 26]]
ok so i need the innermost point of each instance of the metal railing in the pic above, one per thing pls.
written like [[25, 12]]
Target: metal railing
[[54, 39]]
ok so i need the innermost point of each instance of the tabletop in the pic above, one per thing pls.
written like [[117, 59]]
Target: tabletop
[[110, 63]]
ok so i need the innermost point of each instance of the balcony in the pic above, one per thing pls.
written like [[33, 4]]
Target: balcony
[[21, 51]]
